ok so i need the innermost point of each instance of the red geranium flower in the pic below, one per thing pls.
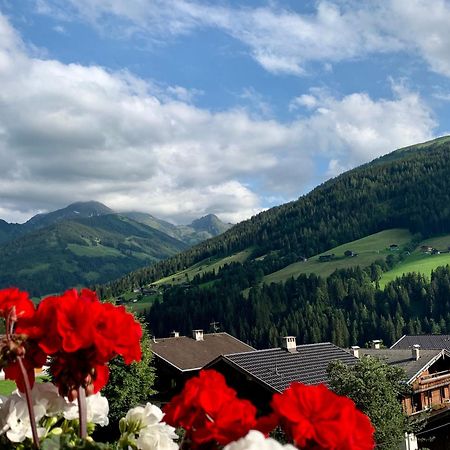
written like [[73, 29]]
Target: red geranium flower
[[81, 335], [316, 418], [12, 298], [210, 411]]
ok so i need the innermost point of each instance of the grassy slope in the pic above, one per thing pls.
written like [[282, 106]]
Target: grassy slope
[[420, 262], [203, 267], [369, 249]]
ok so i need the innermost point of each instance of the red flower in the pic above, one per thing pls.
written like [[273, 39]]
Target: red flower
[[13, 298], [81, 335], [210, 411], [316, 418]]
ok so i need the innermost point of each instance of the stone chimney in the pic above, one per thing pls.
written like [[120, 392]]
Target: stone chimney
[[289, 343], [197, 335], [376, 344], [175, 334], [415, 351], [355, 351]]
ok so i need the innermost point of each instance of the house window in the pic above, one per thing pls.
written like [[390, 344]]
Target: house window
[[416, 403]]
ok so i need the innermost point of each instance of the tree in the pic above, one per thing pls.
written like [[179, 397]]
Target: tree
[[130, 385], [376, 389]]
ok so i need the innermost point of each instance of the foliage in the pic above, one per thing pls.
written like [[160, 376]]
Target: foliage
[[346, 308], [375, 387], [129, 385]]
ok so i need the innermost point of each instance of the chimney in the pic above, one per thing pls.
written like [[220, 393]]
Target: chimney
[[197, 335], [289, 343], [175, 333], [376, 344], [355, 351], [415, 351]]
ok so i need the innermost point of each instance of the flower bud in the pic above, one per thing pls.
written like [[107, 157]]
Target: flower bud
[[123, 424]]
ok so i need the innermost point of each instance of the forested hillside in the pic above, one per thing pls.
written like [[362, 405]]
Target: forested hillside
[[409, 188]]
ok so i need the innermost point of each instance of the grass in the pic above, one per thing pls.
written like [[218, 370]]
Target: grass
[[420, 262], [202, 267], [369, 249]]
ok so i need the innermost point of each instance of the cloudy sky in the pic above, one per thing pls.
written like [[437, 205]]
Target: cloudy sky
[[181, 108]]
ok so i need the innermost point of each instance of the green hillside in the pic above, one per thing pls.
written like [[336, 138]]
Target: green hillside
[[81, 252], [421, 262], [407, 189], [203, 267], [367, 250]]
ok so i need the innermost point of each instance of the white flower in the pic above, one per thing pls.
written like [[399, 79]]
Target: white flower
[[255, 440], [97, 409], [46, 395], [157, 437], [150, 415], [153, 434], [15, 421]]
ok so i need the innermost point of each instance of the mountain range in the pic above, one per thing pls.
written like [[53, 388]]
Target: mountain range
[[87, 242]]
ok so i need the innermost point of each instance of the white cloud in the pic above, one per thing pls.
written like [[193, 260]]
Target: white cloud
[[356, 128], [73, 132], [279, 39]]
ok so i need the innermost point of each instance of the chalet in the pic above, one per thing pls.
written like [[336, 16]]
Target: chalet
[[258, 374], [426, 248], [178, 358], [428, 375], [324, 258], [350, 254], [393, 247]]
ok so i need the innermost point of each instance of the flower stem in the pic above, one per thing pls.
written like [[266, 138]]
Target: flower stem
[[82, 412], [29, 402]]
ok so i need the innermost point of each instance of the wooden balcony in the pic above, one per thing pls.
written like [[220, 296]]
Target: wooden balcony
[[431, 381]]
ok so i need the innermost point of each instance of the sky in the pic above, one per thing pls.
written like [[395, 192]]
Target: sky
[[182, 108]]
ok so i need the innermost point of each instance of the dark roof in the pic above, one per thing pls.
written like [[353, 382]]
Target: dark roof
[[185, 353], [426, 341], [403, 358], [277, 368]]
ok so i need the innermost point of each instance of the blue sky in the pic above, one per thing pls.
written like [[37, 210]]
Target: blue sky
[[182, 108]]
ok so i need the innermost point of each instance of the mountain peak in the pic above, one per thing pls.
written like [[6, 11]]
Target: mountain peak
[[211, 224], [73, 211]]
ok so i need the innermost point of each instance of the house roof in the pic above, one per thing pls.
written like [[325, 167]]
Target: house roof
[[277, 368], [403, 358], [426, 341], [185, 353]]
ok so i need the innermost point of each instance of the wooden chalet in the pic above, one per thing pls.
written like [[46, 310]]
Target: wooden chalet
[[178, 358], [428, 374], [258, 374]]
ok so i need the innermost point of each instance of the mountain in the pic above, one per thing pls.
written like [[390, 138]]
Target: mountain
[[210, 224], [79, 252], [87, 242], [199, 230], [76, 210], [8, 230], [392, 206]]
